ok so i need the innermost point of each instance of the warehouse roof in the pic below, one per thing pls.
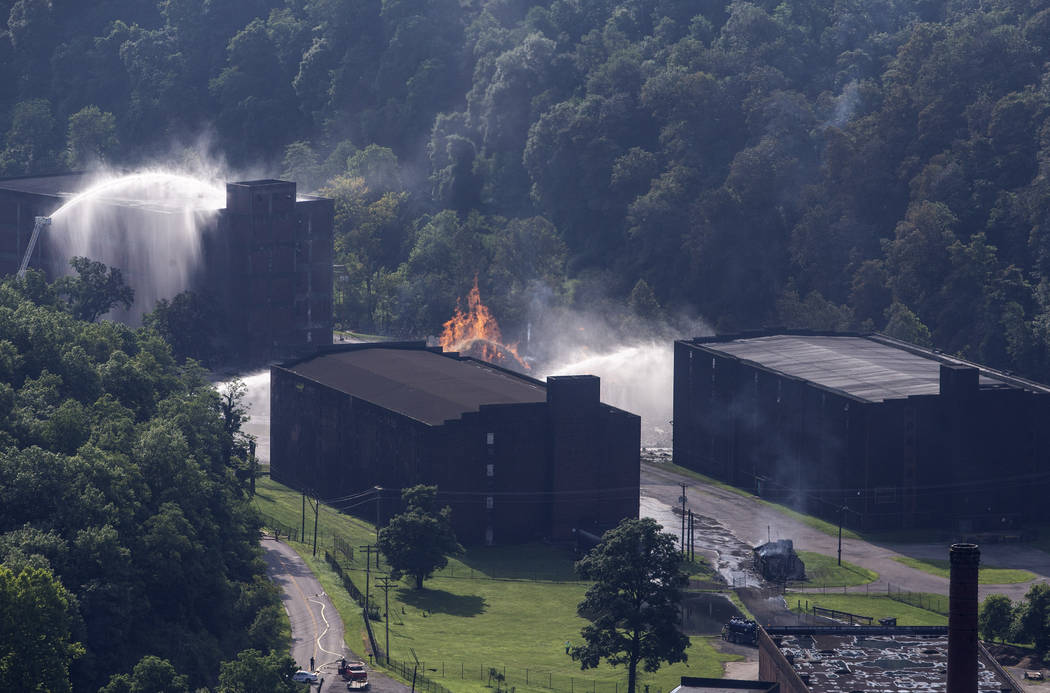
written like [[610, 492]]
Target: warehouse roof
[[148, 191], [421, 384], [858, 658], [59, 185], [692, 684], [869, 367]]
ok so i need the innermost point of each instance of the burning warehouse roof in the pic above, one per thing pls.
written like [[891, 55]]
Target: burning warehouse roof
[[517, 459], [420, 384], [475, 332]]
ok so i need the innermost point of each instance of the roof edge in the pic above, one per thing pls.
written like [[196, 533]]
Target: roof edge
[[1005, 377], [355, 346]]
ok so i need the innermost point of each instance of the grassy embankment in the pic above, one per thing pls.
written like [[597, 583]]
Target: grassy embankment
[[875, 605], [987, 575], [488, 609], [824, 571]]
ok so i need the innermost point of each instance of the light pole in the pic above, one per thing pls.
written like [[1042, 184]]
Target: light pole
[[842, 517], [682, 499], [379, 497], [386, 613]]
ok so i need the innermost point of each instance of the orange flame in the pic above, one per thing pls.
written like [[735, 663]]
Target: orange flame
[[476, 332]]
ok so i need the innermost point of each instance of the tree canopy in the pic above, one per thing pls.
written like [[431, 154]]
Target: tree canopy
[[995, 617], [125, 534], [752, 162], [418, 541], [633, 605]]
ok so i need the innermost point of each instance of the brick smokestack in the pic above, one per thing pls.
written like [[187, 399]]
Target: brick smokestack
[[962, 619]]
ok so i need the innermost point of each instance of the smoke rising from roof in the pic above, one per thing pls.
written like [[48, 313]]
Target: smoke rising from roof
[[633, 355]]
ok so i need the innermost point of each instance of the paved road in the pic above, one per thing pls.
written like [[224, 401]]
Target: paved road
[[737, 523], [317, 630]]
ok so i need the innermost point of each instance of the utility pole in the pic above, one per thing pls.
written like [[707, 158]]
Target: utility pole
[[379, 497], [254, 464], [317, 511], [302, 530], [368, 572], [683, 516], [842, 517], [386, 612], [692, 554]]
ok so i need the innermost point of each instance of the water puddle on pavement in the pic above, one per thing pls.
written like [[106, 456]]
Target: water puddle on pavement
[[731, 557]]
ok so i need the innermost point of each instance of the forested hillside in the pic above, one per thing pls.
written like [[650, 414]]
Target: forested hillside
[[876, 164], [125, 534]]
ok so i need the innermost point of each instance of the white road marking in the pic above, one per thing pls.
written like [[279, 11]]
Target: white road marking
[[326, 627]]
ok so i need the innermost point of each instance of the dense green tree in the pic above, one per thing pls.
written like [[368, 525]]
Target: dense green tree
[[1032, 619], [117, 478], [255, 672], [633, 605], [92, 137], [30, 144], [372, 235], [188, 322], [36, 622], [151, 675], [256, 97], [903, 324], [995, 617], [753, 162], [418, 541], [94, 290]]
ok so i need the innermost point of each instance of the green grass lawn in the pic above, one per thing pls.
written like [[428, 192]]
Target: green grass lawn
[[825, 570], [487, 610], [875, 605], [987, 575]]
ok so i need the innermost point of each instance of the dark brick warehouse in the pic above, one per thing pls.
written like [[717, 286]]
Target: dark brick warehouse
[[515, 458], [265, 259], [900, 436]]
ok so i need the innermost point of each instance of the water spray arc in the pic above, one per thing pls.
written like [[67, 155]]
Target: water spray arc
[[147, 224]]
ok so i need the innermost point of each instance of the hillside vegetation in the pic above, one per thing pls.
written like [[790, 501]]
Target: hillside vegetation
[[125, 532], [876, 165]]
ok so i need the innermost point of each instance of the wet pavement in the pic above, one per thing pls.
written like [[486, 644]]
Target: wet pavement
[[741, 522]]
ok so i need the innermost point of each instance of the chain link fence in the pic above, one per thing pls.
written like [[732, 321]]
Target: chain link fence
[[936, 603], [504, 678]]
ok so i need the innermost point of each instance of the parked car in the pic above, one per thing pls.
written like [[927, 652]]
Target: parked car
[[302, 676], [355, 673]]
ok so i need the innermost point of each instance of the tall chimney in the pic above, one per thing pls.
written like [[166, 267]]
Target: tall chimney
[[962, 619]]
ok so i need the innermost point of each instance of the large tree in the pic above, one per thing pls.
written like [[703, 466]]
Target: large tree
[[94, 289], [1032, 618], [36, 620], [995, 617], [633, 605], [255, 672], [419, 540]]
